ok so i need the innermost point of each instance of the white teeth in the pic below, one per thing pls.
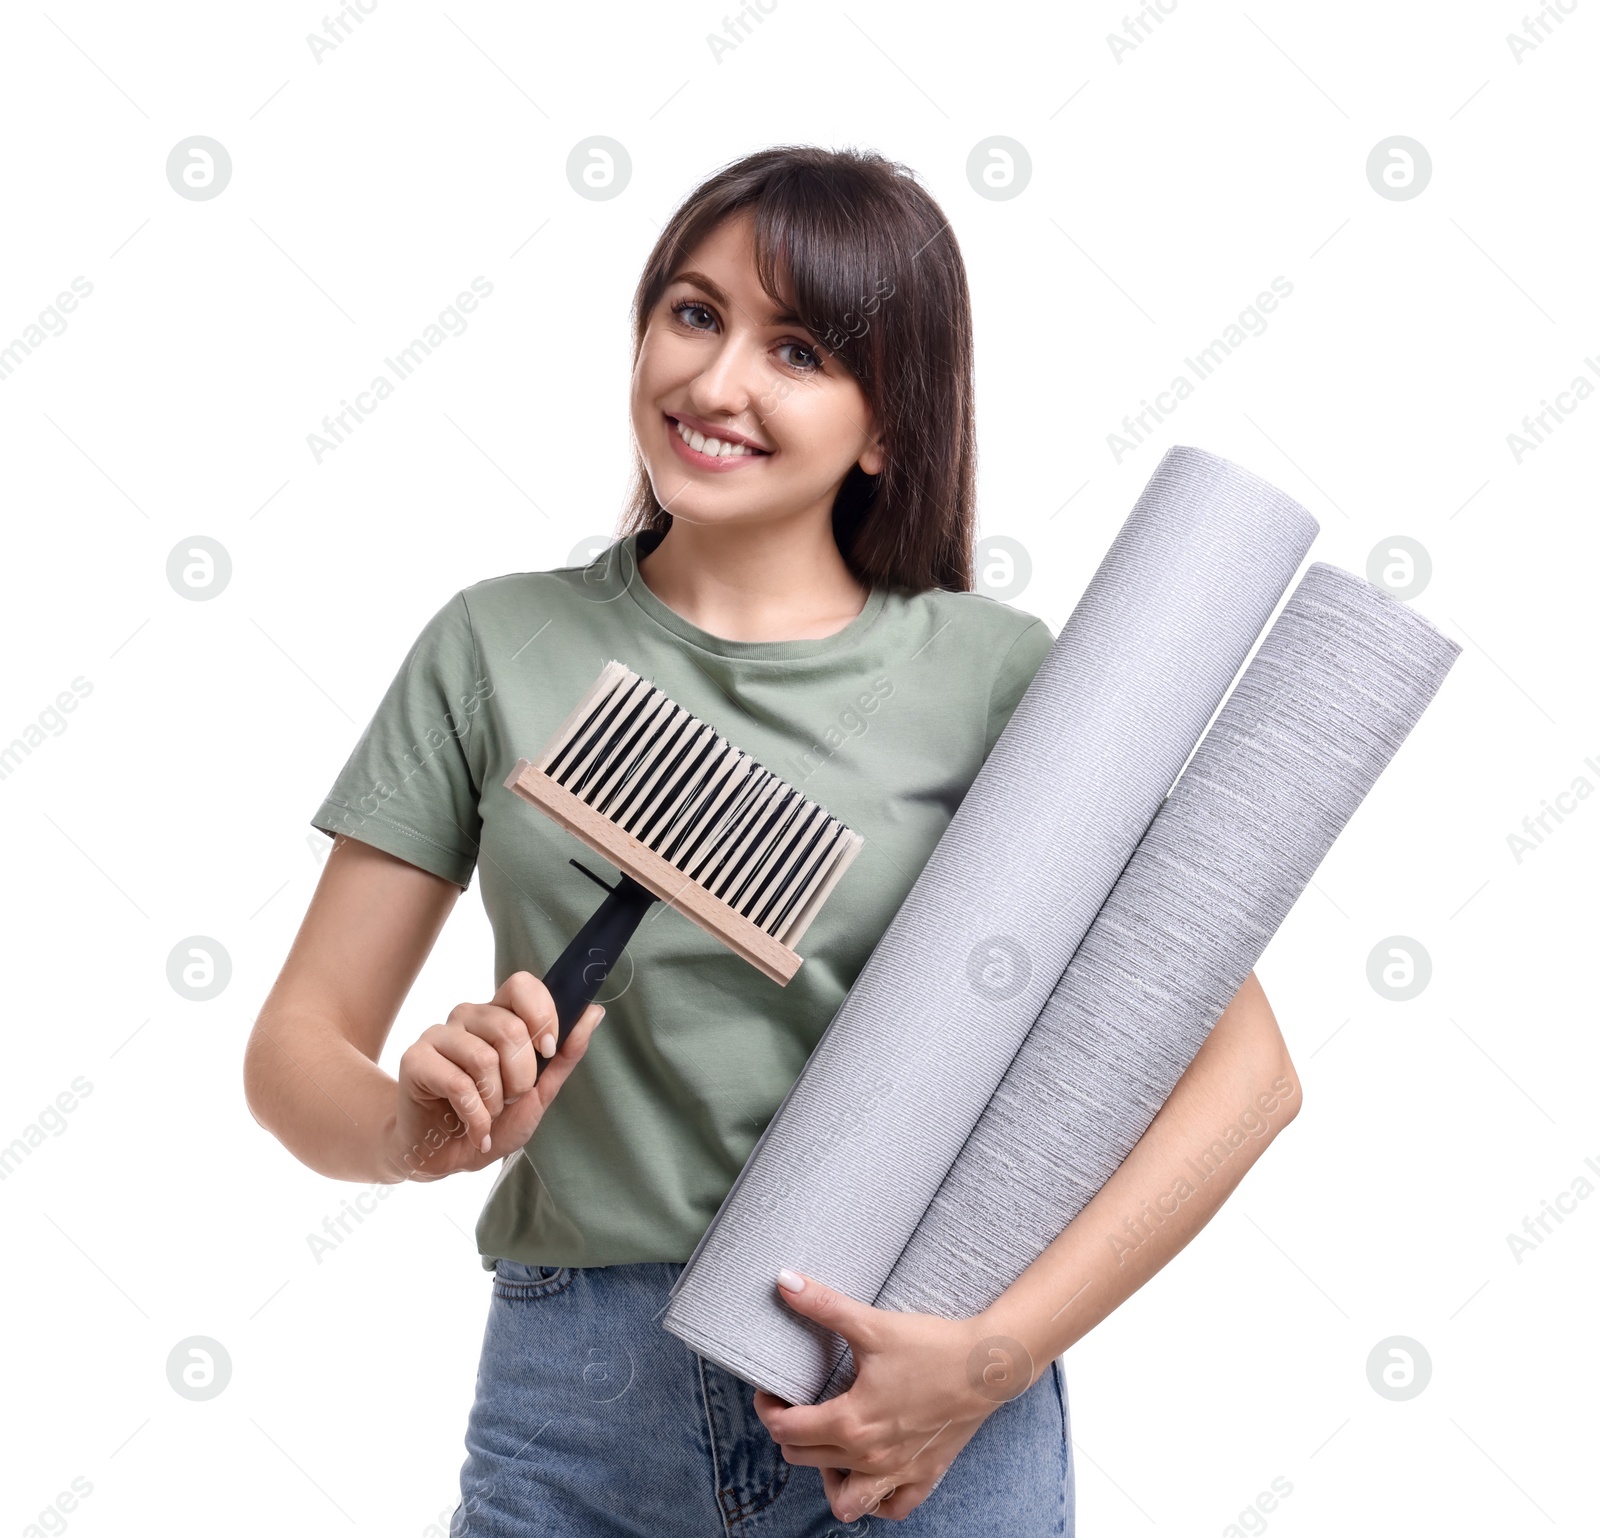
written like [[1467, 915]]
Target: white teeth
[[714, 448]]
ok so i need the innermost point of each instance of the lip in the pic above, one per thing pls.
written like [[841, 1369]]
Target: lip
[[720, 464]]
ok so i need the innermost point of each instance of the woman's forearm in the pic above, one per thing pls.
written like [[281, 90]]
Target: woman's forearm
[[331, 1106], [311, 1074], [1240, 1091]]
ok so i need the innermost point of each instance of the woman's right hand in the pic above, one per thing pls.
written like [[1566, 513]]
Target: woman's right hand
[[474, 1089]]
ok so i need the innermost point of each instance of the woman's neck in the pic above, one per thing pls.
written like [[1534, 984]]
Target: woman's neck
[[768, 582]]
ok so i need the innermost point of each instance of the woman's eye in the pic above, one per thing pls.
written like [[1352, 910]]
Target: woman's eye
[[688, 308], [807, 358]]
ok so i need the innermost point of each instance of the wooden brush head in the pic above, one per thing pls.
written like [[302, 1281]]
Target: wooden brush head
[[628, 760]]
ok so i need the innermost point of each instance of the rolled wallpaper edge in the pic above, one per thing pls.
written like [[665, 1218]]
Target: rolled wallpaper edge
[[848, 1165], [1337, 685]]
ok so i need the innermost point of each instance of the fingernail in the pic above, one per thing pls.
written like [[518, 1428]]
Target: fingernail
[[792, 1280], [487, 1140], [547, 1044]]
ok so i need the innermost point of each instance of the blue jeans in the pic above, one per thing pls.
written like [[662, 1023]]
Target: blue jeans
[[592, 1421]]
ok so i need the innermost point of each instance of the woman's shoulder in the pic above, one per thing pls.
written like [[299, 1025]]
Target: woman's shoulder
[[583, 577], [988, 620]]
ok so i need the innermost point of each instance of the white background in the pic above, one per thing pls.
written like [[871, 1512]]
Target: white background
[[1168, 187]]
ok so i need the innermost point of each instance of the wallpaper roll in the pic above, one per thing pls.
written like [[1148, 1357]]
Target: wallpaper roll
[[847, 1166], [1338, 682]]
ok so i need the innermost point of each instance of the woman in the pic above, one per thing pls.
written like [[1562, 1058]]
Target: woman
[[796, 570]]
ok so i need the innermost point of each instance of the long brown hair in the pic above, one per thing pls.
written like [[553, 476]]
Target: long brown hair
[[878, 280]]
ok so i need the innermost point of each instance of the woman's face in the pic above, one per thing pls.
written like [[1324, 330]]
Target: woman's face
[[739, 414]]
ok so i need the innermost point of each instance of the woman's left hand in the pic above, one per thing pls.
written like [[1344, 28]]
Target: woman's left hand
[[923, 1386]]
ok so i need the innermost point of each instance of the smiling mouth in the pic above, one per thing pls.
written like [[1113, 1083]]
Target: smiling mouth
[[705, 447]]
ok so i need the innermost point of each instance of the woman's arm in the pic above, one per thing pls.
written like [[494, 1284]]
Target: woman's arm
[[924, 1384], [1240, 1091], [470, 1091], [311, 1074]]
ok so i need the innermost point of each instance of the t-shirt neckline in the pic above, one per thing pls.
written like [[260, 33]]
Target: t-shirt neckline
[[628, 576]]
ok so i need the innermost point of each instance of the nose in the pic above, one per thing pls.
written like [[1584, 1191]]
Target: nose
[[730, 380]]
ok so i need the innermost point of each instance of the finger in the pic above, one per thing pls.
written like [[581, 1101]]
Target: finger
[[474, 1057], [838, 1311], [553, 1075], [507, 1032], [860, 1495], [431, 1076], [523, 1113], [830, 1425], [516, 1124], [824, 1455], [528, 998]]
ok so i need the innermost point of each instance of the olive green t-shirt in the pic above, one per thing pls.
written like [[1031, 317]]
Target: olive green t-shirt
[[885, 723]]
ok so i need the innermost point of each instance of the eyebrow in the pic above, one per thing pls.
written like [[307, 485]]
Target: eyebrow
[[700, 280]]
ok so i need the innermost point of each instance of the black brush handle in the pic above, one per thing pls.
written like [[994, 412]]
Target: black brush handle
[[587, 962]]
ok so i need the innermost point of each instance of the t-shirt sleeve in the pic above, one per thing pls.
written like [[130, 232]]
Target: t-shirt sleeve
[[1017, 669], [410, 787]]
